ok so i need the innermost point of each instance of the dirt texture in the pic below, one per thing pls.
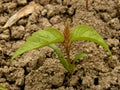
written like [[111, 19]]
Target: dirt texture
[[40, 69]]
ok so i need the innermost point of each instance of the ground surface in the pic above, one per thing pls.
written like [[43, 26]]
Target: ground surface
[[40, 69]]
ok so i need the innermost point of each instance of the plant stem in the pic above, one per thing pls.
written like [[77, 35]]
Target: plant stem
[[60, 56], [67, 49], [68, 66]]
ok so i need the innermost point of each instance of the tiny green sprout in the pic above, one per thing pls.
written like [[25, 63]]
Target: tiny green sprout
[[2, 87], [50, 36]]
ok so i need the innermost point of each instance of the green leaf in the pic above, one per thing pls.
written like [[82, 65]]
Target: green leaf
[[83, 32], [78, 56], [39, 39], [2, 88]]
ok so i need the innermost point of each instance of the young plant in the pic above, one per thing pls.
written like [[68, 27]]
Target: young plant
[[50, 36]]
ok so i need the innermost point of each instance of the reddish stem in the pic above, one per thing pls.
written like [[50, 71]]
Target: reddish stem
[[67, 42]]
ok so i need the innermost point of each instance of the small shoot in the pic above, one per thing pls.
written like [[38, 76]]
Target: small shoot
[[51, 36]]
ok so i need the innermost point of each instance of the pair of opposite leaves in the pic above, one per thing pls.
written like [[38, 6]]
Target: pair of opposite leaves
[[49, 36]]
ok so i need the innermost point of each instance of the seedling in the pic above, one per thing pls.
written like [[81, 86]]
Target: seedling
[[50, 36]]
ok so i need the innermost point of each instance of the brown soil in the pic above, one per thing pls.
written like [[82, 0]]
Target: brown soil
[[40, 69]]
